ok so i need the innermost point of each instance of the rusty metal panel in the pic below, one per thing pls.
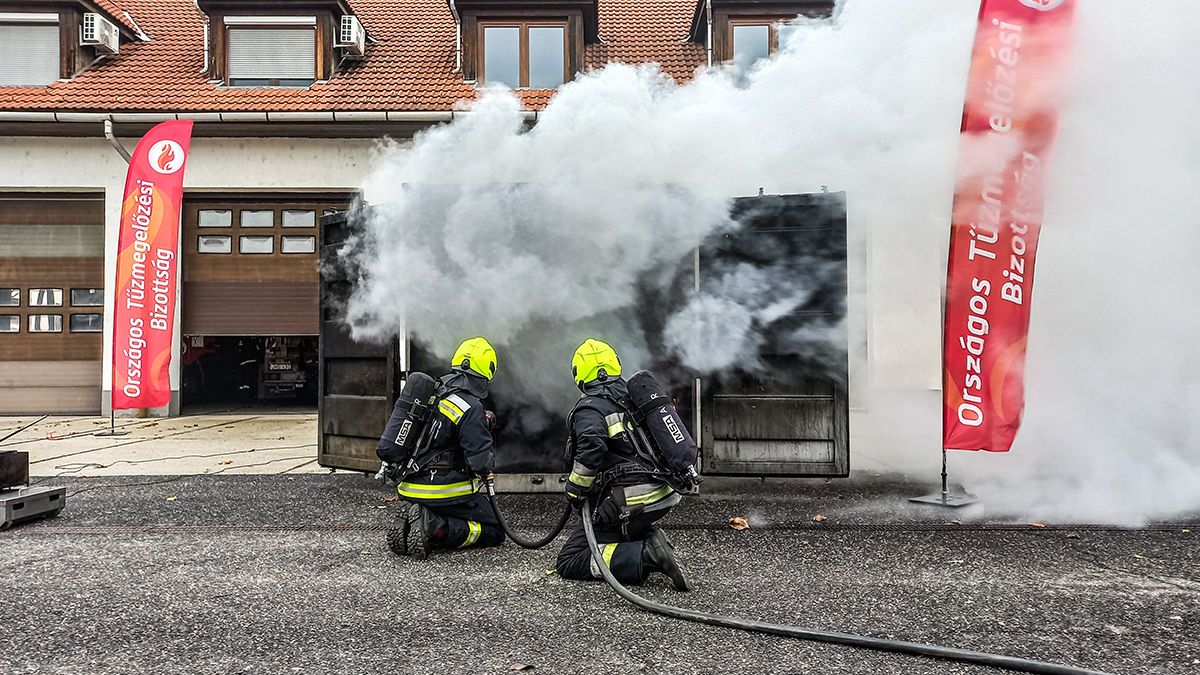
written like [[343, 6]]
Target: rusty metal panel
[[359, 381]]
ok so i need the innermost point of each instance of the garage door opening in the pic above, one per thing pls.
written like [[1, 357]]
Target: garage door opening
[[249, 371]]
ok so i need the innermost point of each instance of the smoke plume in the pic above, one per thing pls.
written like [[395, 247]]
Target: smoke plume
[[540, 237]]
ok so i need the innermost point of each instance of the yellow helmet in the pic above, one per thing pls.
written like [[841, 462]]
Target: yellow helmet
[[594, 358], [476, 355]]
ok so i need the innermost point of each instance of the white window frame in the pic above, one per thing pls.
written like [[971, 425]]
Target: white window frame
[[283, 21]]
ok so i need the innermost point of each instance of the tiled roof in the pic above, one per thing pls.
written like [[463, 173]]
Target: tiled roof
[[409, 65], [114, 10]]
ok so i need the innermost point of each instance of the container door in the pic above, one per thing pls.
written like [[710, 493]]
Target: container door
[[359, 381], [790, 417]]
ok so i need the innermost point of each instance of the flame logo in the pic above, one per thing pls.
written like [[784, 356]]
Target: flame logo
[[1042, 5], [165, 158]]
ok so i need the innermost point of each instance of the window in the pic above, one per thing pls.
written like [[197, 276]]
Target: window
[[297, 244], [45, 323], [294, 218], [45, 297], [10, 323], [752, 40], [87, 323], [87, 297], [524, 54], [278, 51], [256, 244], [216, 218], [211, 244], [10, 297], [29, 49], [258, 218]]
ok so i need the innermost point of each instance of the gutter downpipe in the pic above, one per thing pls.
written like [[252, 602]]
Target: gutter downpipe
[[112, 139], [708, 47], [457, 37]]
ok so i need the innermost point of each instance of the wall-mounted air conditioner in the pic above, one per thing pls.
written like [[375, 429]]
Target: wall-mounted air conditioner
[[351, 36], [100, 33]]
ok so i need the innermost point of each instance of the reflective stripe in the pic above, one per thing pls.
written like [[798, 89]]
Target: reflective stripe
[[581, 481], [474, 529], [616, 424], [449, 409], [581, 475], [609, 549], [428, 491], [647, 498], [458, 401]]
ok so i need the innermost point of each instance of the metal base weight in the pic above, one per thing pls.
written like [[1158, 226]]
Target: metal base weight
[[944, 499], [23, 504], [111, 432]]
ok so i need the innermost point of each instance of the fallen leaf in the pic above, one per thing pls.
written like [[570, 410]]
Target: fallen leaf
[[739, 523], [819, 518], [1139, 556], [1036, 524], [225, 461], [391, 498], [519, 666], [804, 542], [956, 521], [1175, 618], [549, 572], [1072, 535], [291, 478], [171, 498], [384, 506], [1185, 531]]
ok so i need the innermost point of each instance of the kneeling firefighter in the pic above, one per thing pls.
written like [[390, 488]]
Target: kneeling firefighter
[[438, 446], [621, 484]]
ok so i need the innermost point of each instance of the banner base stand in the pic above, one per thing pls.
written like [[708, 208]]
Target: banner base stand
[[945, 500], [112, 426]]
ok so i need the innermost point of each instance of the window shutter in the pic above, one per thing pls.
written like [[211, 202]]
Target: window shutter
[[272, 54], [28, 54]]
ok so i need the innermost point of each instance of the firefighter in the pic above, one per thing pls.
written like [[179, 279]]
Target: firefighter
[[444, 508], [610, 475]]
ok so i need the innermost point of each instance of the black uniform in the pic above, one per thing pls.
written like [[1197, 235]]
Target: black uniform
[[606, 472], [460, 450]]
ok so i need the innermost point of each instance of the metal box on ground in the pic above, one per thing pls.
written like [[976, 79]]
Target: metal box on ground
[[24, 504]]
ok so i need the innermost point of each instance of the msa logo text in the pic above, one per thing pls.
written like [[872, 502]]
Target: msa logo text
[[404, 429], [673, 428]]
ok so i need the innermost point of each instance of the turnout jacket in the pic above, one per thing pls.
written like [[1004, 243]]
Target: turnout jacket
[[600, 444], [460, 446]]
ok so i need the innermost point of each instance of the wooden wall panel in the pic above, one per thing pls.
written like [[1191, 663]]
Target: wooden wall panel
[[50, 387]]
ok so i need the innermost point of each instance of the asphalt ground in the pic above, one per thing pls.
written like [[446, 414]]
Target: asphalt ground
[[279, 574]]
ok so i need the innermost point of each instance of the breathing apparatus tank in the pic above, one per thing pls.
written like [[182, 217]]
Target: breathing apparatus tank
[[662, 428], [406, 428]]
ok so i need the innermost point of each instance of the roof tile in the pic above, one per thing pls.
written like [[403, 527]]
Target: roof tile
[[408, 65]]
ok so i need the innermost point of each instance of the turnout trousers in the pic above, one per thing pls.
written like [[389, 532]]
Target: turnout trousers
[[621, 552], [467, 524]]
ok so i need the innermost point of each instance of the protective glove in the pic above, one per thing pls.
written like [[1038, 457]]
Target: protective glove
[[608, 512]]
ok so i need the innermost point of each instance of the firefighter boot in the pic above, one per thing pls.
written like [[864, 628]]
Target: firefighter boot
[[658, 556], [397, 536], [425, 529]]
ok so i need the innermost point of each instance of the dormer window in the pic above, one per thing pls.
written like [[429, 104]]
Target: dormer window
[[744, 32], [524, 54], [525, 44], [278, 43], [29, 49], [271, 51]]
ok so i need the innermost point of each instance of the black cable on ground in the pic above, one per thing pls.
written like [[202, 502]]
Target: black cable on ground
[[847, 639], [518, 539]]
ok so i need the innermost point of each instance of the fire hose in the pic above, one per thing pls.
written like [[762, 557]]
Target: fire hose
[[847, 639], [518, 539]]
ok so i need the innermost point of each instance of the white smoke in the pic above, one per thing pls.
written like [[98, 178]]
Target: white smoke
[[538, 237]]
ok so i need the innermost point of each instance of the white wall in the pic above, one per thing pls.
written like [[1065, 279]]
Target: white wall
[[215, 165]]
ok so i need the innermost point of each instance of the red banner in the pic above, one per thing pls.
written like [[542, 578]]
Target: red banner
[[147, 268], [1009, 123]]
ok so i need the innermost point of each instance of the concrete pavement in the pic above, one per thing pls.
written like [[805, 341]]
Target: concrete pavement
[[237, 442]]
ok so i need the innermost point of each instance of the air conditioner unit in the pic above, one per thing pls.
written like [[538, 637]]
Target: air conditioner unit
[[100, 33], [352, 37]]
